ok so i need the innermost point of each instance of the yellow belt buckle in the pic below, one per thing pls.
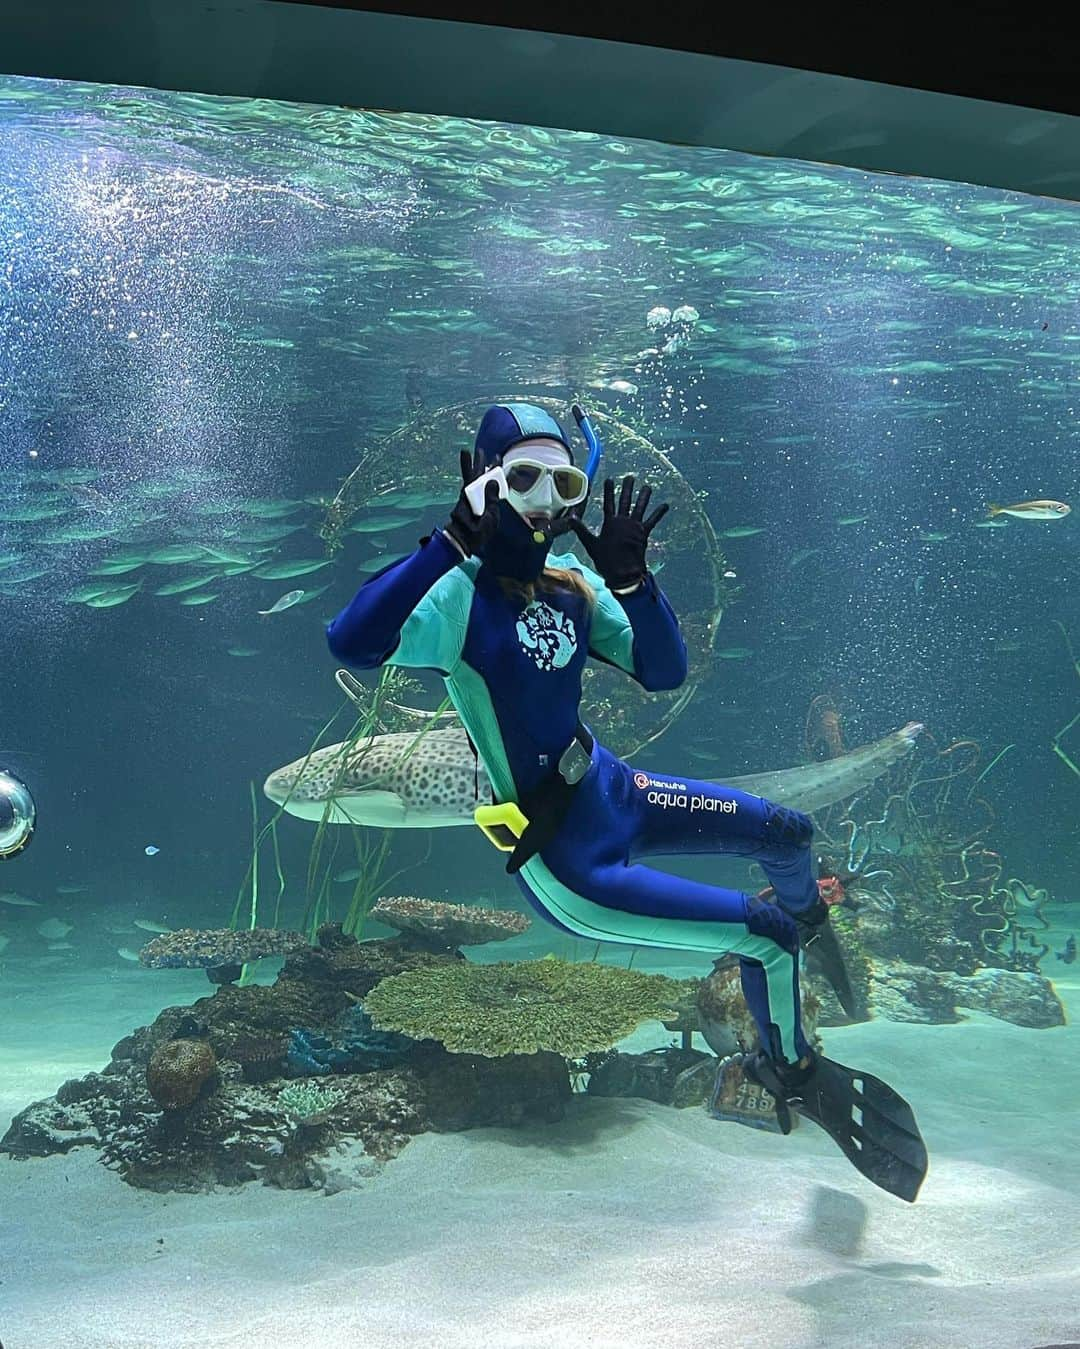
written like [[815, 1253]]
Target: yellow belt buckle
[[502, 824]]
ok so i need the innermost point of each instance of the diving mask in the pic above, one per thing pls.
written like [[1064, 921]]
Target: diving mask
[[540, 479]]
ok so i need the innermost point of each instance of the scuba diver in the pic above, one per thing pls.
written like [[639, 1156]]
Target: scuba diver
[[18, 815], [510, 626]]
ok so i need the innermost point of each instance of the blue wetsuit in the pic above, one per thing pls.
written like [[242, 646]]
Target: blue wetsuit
[[513, 671]]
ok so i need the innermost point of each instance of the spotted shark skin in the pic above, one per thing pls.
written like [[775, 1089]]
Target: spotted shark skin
[[407, 780], [433, 780]]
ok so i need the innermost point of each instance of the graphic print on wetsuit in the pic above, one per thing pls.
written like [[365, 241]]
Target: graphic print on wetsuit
[[547, 635]]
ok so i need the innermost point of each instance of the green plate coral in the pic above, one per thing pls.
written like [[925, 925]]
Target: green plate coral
[[521, 1007]]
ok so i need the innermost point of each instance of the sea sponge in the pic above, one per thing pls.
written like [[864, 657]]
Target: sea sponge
[[177, 1071], [521, 1007]]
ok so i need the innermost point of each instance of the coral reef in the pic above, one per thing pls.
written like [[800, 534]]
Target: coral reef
[[448, 925], [222, 952], [674, 1076], [685, 1018], [260, 1056], [724, 1019], [178, 1071], [320, 1078], [902, 992], [521, 1007], [680, 1075], [355, 1046], [245, 1120], [928, 889], [310, 1103], [349, 970]]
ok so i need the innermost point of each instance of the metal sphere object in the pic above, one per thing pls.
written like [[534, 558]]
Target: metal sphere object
[[17, 815]]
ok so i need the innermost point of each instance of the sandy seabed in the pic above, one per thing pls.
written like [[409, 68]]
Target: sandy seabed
[[628, 1224]]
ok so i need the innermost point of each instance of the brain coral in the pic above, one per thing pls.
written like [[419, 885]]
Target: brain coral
[[177, 1070]]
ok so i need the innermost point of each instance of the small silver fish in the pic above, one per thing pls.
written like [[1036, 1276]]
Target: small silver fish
[[286, 602], [126, 953], [281, 571], [18, 901], [151, 850], [148, 926], [54, 929], [89, 497], [1031, 510]]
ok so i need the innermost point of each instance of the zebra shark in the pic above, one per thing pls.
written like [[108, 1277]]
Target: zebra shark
[[432, 780]]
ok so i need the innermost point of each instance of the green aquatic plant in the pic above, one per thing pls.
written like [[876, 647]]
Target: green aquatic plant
[[1055, 743], [521, 1007], [380, 711], [248, 895]]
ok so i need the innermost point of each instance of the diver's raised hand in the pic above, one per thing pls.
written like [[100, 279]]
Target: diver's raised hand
[[618, 551], [467, 529]]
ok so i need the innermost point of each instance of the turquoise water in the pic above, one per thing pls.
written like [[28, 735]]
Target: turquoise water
[[212, 310]]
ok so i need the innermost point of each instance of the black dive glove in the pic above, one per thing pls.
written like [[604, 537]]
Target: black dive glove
[[618, 551], [467, 529]]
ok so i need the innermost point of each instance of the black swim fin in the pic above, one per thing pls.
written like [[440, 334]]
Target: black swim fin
[[824, 955], [818, 941], [872, 1125]]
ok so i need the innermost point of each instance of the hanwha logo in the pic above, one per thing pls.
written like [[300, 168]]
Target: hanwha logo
[[640, 780]]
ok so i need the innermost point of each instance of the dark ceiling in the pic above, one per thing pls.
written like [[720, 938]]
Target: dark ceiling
[[786, 84], [1003, 53]]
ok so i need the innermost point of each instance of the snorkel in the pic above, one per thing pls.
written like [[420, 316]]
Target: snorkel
[[595, 444], [595, 447]]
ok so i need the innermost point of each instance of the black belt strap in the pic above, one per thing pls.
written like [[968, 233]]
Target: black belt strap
[[545, 807]]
